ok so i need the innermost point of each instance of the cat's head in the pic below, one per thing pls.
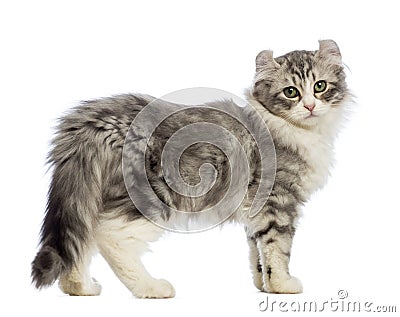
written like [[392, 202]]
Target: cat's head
[[301, 87]]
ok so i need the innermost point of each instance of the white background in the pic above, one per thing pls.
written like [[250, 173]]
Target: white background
[[55, 53]]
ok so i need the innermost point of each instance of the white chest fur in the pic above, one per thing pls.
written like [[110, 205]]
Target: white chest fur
[[315, 146], [319, 156]]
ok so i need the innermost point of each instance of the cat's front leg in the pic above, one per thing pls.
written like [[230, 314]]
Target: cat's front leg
[[255, 265], [274, 245]]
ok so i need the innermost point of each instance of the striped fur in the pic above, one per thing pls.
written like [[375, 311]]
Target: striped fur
[[89, 208]]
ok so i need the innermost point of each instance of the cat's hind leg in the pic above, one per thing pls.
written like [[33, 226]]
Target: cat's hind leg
[[78, 282], [122, 243]]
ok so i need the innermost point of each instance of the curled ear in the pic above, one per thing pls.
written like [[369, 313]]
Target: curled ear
[[329, 51], [265, 61]]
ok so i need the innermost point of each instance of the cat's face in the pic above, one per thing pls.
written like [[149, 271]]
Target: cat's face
[[302, 86]]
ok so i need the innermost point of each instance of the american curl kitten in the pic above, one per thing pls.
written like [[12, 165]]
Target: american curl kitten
[[301, 97]]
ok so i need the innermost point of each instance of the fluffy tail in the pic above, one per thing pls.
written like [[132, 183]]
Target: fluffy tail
[[73, 202], [46, 267], [61, 237]]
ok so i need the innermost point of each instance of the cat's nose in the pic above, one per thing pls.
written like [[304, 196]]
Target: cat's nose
[[310, 107]]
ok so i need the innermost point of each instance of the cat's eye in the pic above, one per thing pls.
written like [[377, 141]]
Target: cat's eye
[[291, 92], [320, 86]]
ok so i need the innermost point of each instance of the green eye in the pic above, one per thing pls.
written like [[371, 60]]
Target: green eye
[[291, 92], [320, 86]]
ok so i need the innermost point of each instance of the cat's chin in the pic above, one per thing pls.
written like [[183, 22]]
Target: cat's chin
[[305, 123], [311, 120]]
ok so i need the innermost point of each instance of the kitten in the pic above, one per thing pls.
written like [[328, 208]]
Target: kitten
[[301, 97]]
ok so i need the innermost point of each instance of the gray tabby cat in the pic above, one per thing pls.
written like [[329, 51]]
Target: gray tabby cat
[[302, 98]]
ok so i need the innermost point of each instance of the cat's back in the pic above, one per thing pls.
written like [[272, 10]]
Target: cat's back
[[99, 122], [90, 137], [106, 114]]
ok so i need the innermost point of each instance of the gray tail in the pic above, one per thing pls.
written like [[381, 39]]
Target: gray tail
[[61, 238], [74, 199], [46, 267]]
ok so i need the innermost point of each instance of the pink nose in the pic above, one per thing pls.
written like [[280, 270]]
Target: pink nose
[[310, 107]]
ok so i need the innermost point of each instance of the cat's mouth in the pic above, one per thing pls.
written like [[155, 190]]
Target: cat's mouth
[[311, 115]]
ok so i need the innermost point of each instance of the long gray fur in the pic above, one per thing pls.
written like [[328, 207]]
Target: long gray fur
[[88, 184]]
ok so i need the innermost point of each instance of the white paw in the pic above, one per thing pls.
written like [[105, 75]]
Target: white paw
[[154, 289], [95, 288], [257, 280], [291, 285], [75, 288]]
